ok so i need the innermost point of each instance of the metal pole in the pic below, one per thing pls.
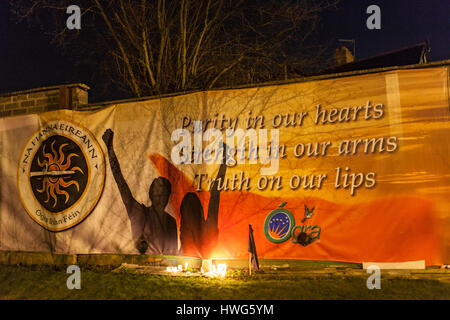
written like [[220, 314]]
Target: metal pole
[[250, 263]]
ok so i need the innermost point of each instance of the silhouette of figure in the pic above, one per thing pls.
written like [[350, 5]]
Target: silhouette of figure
[[199, 236], [153, 229]]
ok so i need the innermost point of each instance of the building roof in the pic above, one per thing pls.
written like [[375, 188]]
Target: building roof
[[415, 54]]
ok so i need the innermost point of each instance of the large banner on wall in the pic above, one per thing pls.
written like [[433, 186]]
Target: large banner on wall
[[348, 169]]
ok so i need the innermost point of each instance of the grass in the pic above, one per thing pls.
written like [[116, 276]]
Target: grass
[[49, 283]]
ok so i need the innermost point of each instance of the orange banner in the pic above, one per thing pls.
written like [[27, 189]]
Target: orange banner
[[351, 169]]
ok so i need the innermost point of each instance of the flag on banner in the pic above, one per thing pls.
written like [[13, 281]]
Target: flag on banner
[[252, 249]]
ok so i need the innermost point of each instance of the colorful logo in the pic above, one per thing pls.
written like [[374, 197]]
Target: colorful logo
[[279, 226], [61, 175]]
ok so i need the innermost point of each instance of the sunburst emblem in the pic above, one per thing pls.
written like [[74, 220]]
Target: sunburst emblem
[[55, 176], [278, 224], [278, 227], [58, 173]]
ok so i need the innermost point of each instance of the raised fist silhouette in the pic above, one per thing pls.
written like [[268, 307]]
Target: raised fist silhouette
[[107, 137]]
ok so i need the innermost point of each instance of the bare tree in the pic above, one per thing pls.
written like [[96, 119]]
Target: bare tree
[[159, 46]]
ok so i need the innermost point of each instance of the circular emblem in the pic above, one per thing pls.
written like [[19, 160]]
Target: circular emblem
[[61, 175], [278, 225]]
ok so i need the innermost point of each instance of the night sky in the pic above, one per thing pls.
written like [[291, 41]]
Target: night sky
[[28, 60]]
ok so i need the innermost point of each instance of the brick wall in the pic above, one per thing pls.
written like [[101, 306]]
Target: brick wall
[[72, 96]]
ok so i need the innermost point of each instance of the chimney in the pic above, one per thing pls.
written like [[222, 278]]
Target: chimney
[[342, 56]]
